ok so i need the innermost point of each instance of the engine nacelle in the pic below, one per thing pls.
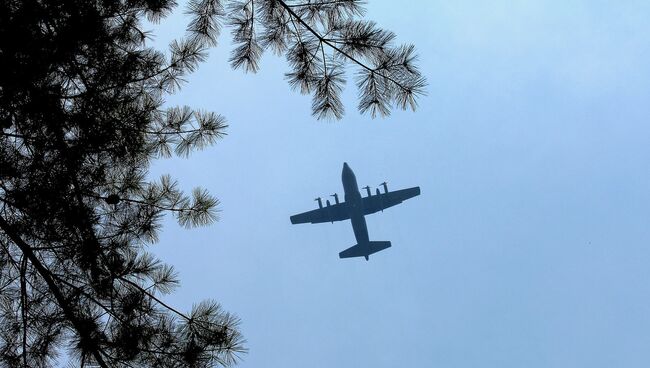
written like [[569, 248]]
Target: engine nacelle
[[320, 202], [385, 185], [367, 188]]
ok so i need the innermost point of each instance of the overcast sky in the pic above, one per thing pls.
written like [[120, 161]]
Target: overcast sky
[[530, 244]]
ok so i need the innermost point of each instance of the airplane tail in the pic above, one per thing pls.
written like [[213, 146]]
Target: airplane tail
[[364, 250]]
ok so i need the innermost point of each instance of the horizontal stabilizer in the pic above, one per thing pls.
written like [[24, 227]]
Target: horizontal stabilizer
[[364, 250]]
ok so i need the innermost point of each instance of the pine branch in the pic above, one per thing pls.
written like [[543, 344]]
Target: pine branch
[[330, 44], [56, 292]]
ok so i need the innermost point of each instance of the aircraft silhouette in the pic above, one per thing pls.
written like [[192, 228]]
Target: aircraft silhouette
[[355, 208]]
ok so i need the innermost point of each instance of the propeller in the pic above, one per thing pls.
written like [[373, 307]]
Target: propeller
[[367, 188], [336, 197], [385, 185]]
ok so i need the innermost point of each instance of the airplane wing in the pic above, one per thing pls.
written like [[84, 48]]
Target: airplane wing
[[379, 202], [335, 212]]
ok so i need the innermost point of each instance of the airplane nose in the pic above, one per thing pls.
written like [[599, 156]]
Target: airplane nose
[[345, 165]]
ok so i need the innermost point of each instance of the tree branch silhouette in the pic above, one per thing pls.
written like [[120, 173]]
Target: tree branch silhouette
[[54, 289], [83, 114]]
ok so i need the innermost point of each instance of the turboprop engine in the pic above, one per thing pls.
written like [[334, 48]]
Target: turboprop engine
[[385, 185], [367, 188]]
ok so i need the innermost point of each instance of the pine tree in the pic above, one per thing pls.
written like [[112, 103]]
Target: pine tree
[[82, 117]]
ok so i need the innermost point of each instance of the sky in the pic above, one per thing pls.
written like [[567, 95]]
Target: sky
[[529, 245]]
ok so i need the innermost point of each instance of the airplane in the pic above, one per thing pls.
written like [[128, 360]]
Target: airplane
[[355, 208]]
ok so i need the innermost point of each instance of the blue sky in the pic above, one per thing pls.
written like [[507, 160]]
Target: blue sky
[[529, 245]]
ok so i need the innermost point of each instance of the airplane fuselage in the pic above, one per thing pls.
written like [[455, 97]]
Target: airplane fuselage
[[353, 198], [355, 208]]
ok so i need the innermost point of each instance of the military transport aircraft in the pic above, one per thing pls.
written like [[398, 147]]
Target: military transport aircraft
[[355, 208]]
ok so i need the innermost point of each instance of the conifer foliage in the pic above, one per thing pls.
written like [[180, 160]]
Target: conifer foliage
[[82, 115]]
